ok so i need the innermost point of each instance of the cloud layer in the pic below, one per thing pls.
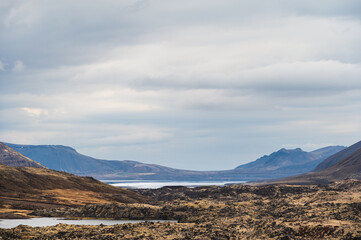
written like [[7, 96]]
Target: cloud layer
[[190, 84]]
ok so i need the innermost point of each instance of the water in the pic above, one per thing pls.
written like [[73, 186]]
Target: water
[[159, 184], [44, 222]]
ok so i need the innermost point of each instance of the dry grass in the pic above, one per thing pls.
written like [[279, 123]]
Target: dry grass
[[74, 197]]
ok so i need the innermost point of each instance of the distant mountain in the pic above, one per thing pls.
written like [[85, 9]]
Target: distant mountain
[[10, 157], [342, 165], [282, 163], [338, 157], [63, 158], [291, 161]]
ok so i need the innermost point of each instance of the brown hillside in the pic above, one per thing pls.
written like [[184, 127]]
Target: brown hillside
[[36, 188], [10, 157]]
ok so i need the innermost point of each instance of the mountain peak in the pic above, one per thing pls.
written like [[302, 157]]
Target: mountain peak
[[344, 164], [295, 161], [290, 150]]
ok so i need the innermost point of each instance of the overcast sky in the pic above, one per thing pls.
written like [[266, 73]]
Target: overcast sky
[[198, 84]]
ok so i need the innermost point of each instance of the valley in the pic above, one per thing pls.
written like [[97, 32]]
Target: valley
[[323, 204], [230, 212]]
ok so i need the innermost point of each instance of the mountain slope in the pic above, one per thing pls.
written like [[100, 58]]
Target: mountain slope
[[24, 189], [292, 161], [10, 157], [19, 181], [27, 188], [338, 157], [349, 167]]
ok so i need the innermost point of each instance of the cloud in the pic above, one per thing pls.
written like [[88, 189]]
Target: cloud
[[35, 111], [18, 66], [2, 67], [187, 84]]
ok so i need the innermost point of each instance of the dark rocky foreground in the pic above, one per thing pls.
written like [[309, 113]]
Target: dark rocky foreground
[[232, 212]]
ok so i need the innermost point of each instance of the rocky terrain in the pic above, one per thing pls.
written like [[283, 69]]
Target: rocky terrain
[[231, 212]]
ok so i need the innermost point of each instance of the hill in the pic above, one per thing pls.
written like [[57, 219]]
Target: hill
[[10, 157], [29, 188]]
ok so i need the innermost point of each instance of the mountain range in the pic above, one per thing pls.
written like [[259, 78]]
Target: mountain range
[[342, 165], [290, 160], [279, 164], [293, 166]]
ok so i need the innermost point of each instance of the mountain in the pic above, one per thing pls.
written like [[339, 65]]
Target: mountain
[[29, 188], [290, 161], [342, 165], [10, 157], [63, 158], [338, 157], [282, 163]]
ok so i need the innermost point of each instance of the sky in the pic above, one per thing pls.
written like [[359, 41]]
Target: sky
[[198, 84]]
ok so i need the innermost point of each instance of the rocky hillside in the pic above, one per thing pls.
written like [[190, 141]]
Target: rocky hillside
[[10, 157]]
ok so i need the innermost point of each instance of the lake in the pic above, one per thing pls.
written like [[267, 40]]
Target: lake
[[159, 184], [44, 222]]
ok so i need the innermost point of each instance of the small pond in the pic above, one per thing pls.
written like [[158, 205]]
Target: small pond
[[44, 222]]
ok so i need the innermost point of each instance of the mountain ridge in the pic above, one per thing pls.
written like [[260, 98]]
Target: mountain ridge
[[342, 165], [289, 158], [65, 158]]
